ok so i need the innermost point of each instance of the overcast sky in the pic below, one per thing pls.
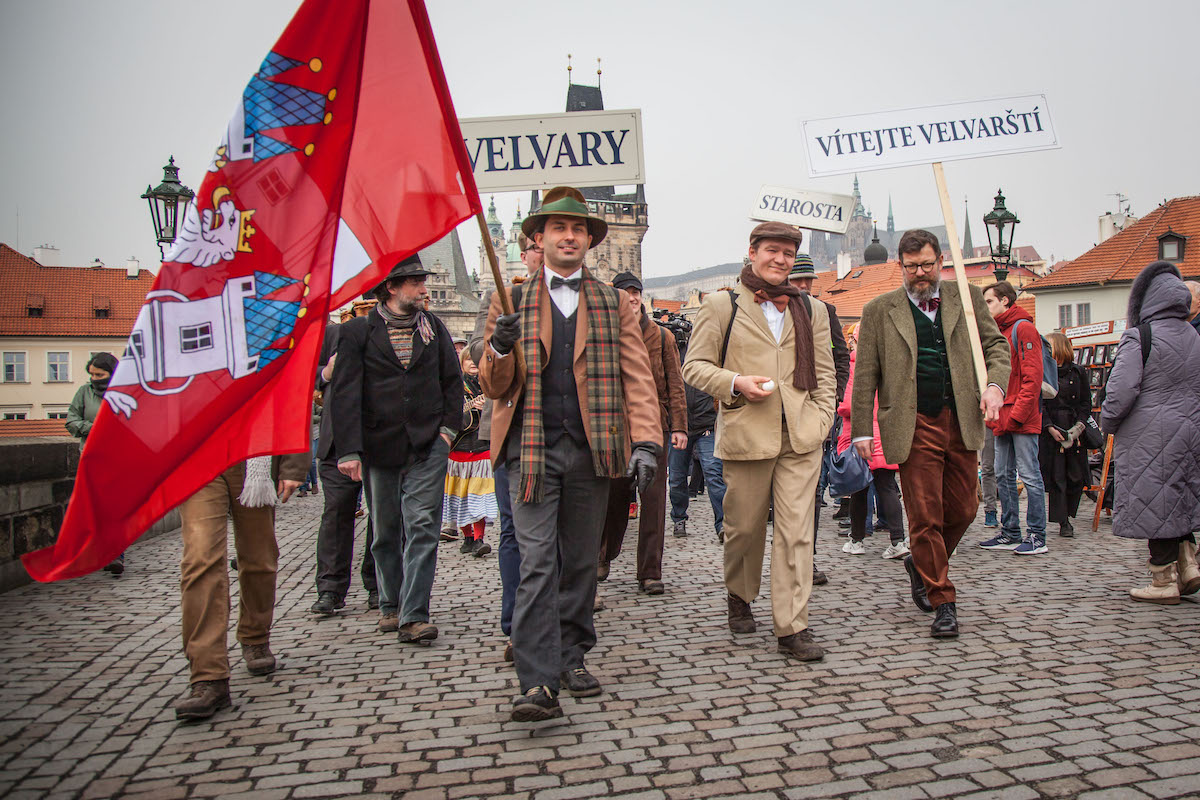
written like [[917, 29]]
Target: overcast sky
[[98, 94]]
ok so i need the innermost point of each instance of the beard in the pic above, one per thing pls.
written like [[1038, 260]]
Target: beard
[[924, 290], [407, 307]]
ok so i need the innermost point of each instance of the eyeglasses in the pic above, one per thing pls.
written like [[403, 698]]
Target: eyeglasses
[[534, 249], [912, 269]]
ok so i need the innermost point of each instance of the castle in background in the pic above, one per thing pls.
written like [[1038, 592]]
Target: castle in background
[[626, 215]]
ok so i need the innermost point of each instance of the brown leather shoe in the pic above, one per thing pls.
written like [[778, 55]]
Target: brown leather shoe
[[417, 633], [258, 658], [801, 646], [389, 623], [204, 699], [741, 619], [652, 587], [508, 652], [602, 571]]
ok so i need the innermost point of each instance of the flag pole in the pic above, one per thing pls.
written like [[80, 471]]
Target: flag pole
[[497, 276], [960, 277]]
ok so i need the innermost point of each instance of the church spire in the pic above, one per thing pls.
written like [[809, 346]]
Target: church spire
[[891, 223], [859, 211], [968, 248]]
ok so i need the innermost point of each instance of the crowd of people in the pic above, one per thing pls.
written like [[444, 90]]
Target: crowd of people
[[568, 400]]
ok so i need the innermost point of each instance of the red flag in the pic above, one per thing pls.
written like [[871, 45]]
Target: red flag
[[344, 156]]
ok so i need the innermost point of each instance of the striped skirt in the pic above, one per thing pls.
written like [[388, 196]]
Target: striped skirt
[[470, 490]]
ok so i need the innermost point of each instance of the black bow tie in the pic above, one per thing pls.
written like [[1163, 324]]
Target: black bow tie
[[570, 283]]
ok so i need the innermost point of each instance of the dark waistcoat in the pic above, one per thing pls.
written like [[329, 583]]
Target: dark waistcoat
[[560, 398], [934, 389]]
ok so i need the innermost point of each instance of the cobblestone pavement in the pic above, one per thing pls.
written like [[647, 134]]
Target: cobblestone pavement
[[1058, 687]]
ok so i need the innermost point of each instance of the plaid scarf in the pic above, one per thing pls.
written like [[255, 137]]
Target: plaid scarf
[[604, 392], [784, 295]]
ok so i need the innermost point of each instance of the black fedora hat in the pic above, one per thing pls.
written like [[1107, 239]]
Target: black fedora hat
[[408, 267]]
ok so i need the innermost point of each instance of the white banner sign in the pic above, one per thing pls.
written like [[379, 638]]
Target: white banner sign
[[1095, 329], [923, 135], [814, 210], [582, 148]]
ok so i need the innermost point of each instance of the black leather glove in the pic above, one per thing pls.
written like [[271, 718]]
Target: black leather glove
[[643, 464], [506, 332]]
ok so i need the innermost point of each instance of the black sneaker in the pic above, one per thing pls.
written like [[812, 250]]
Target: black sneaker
[[537, 704], [580, 682], [327, 603]]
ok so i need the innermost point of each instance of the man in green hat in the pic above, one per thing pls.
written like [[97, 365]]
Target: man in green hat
[[575, 406]]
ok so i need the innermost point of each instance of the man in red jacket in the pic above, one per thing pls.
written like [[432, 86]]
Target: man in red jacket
[[1018, 428]]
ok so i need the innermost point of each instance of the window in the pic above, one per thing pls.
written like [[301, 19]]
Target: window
[[101, 313], [58, 367], [1064, 316], [1171, 246], [1083, 313], [14, 415], [35, 305], [33, 312], [56, 415], [14, 368], [196, 337]]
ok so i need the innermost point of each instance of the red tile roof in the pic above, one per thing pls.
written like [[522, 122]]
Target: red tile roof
[[68, 297], [33, 427], [864, 284], [1122, 257]]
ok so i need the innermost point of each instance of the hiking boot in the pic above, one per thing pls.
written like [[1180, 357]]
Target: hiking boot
[[1001, 541], [1066, 530], [945, 624], [482, 548], [652, 587], [204, 699], [417, 633], [920, 596], [1189, 572], [1033, 546], [468, 546], [579, 682], [389, 622], [990, 520], [373, 599], [1163, 588], [537, 704], [741, 618], [327, 604], [801, 646], [258, 658], [896, 550], [680, 527]]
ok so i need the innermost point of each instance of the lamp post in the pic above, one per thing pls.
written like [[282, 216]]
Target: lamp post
[[997, 221], [168, 202]]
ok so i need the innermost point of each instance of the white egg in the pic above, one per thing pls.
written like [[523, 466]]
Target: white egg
[[769, 386]]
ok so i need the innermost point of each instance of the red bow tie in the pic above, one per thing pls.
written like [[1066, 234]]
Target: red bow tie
[[780, 301], [930, 305]]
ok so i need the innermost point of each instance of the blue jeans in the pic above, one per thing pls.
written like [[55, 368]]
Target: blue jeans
[[1017, 455], [406, 513], [310, 480], [680, 461], [509, 554]]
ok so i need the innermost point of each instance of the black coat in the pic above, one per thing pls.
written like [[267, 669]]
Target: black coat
[[1065, 473], [386, 412], [328, 348]]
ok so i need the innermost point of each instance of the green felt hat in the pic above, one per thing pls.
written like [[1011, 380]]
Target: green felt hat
[[564, 201]]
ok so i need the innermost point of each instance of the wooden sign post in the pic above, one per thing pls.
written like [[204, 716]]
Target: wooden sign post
[[960, 277]]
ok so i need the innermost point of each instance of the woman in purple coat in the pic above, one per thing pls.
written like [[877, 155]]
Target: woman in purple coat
[[1152, 407]]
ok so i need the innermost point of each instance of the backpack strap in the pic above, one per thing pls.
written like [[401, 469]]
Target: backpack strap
[[1147, 338], [729, 328]]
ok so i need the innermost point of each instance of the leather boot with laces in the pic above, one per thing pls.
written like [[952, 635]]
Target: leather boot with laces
[[580, 682], [1189, 571], [204, 699], [1163, 588], [258, 658], [741, 619], [801, 646], [537, 704]]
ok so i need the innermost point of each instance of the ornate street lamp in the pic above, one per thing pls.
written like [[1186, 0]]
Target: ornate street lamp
[[168, 202], [1003, 222]]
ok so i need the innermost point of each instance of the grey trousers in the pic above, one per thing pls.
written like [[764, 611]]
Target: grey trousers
[[406, 513], [987, 470], [559, 539]]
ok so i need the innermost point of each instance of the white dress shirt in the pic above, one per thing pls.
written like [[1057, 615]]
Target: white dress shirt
[[564, 297], [775, 318], [937, 293]]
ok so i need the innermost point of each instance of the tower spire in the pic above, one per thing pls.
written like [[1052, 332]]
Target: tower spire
[[597, 73], [568, 69], [968, 247], [891, 223]]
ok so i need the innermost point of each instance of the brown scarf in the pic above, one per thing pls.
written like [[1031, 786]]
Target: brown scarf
[[804, 376]]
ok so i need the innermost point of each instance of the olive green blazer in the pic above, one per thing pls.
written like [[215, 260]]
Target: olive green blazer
[[886, 362], [752, 431]]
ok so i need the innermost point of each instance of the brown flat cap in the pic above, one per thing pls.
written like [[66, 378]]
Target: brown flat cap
[[776, 230]]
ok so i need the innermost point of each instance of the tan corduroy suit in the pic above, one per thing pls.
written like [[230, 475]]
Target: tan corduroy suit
[[771, 449]]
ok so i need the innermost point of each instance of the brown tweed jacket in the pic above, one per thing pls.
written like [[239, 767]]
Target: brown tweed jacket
[[886, 362], [503, 379], [664, 364]]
